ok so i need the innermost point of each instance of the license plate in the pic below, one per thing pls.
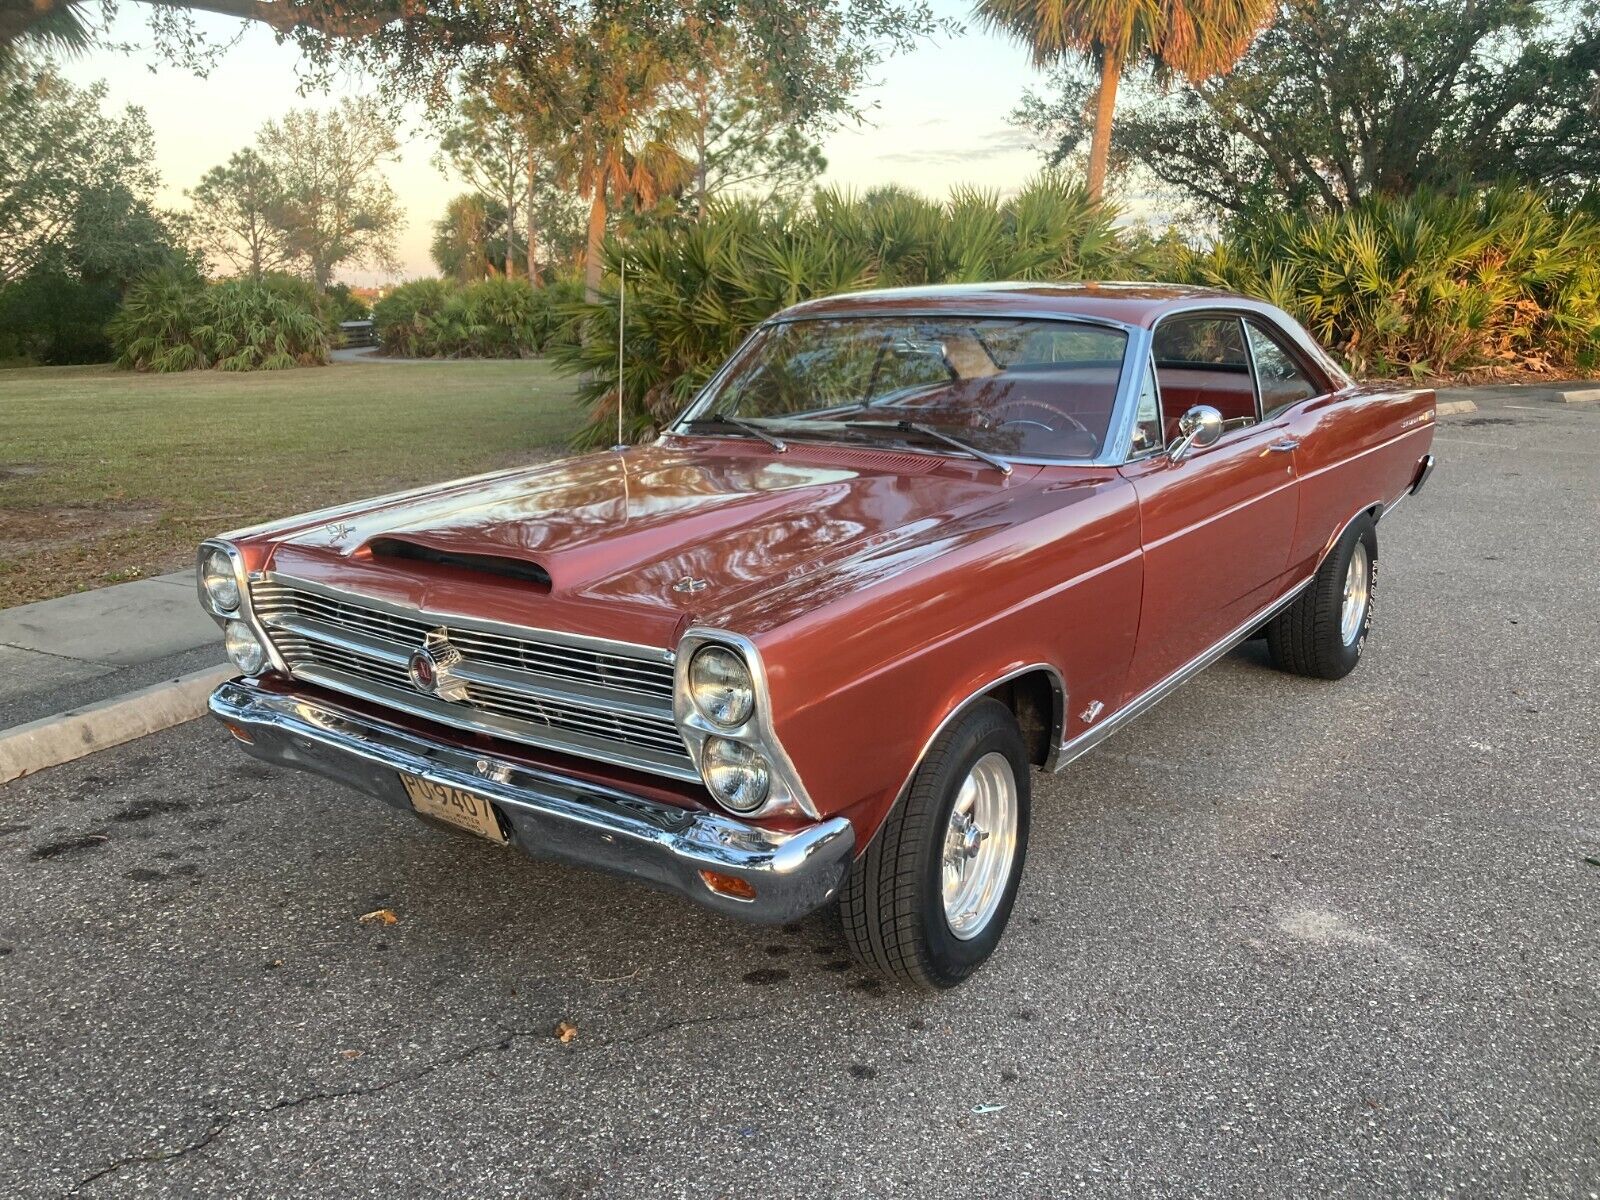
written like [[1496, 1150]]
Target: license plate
[[454, 807]]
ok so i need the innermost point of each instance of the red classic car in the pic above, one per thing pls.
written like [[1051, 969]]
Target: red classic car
[[807, 645]]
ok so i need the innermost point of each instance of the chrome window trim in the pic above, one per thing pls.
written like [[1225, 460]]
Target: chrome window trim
[[1276, 318], [788, 792], [1161, 414], [577, 641], [1108, 456], [1270, 331]]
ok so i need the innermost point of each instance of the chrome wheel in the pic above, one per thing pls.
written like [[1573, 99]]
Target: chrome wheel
[[1357, 591], [980, 843]]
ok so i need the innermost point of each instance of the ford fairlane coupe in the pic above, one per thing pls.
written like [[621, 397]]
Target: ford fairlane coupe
[[806, 647]]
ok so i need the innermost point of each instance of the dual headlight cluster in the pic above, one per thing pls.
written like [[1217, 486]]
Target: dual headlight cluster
[[219, 582], [723, 694]]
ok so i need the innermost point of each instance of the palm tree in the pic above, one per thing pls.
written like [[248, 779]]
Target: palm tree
[[1194, 38], [620, 137], [53, 28]]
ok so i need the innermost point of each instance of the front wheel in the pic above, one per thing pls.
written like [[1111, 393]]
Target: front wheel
[[929, 900], [1321, 634]]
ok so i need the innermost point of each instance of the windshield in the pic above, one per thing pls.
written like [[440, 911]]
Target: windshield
[[1001, 385]]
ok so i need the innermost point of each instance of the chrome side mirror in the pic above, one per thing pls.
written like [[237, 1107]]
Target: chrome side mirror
[[1200, 426]]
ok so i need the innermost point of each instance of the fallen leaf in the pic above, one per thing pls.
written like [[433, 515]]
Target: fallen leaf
[[350, 1054], [384, 915], [565, 1031]]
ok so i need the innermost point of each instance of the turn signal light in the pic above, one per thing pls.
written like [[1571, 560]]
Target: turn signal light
[[729, 885]]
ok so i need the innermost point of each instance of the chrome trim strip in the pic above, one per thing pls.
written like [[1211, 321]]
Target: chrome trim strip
[[788, 790], [526, 633], [1150, 697], [552, 815], [460, 716]]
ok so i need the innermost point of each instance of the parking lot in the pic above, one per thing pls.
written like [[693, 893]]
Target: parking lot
[[1278, 937]]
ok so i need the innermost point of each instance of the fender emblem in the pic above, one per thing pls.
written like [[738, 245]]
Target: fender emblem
[[690, 584], [1093, 712]]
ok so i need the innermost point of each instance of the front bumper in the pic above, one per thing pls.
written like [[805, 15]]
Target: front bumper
[[551, 815]]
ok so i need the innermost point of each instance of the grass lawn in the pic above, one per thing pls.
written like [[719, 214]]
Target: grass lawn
[[108, 475]]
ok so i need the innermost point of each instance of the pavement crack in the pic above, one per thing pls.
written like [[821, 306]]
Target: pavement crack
[[221, 1123]]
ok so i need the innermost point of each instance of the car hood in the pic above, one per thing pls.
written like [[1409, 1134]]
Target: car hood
[[676, 530]]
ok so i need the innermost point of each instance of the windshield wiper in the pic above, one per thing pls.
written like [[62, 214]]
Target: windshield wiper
[[740, 423], [938, 435]]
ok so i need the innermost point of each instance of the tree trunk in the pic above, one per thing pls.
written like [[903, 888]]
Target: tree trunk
[[1105, 108], [597, 241], [533, 222], [703, 114]]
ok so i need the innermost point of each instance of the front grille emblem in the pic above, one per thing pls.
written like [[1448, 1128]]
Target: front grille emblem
[[430, 667]]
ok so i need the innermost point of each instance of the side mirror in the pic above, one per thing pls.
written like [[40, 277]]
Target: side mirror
[[1200, 426]]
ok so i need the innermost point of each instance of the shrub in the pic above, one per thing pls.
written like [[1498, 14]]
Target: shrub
[[51, 317], [1430, 284], [401, 317], [696, 289], [169, 323], [494, 318]]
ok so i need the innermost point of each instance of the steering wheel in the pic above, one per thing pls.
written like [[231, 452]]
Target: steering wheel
[[1039, 406]]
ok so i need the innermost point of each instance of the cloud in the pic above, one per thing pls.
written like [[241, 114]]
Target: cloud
[[997, 144]]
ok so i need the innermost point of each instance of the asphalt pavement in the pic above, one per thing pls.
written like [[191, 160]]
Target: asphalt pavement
[[1279, 937]]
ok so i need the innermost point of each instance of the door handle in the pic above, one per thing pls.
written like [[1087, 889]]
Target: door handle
[[1283, 445]]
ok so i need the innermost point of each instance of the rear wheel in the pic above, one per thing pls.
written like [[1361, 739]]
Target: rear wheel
[[1322, 633], [929, 900]]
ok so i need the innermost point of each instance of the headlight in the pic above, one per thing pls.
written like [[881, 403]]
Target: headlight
[[720, 686], [244, 648], [738, 776], [221, 584]]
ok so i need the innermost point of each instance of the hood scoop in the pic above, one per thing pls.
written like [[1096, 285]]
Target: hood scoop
[[391, 549]]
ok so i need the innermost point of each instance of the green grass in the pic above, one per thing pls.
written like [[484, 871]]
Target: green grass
[[107, 475]]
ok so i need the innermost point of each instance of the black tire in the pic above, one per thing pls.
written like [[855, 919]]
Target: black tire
[[892, 904], [1306, 638]]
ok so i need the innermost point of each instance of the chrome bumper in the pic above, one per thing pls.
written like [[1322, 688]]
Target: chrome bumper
[[551, 815], [1424, 469]]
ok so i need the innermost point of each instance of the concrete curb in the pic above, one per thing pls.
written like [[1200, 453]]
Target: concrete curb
[[1454, 408], [51, 741], [1581, 397]]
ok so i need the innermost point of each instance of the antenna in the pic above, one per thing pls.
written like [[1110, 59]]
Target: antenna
[[622, 308]]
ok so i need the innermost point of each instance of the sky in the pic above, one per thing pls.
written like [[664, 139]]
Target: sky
[[937, 116]]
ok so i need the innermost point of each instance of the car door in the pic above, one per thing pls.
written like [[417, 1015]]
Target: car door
[[1294, 397], [1217, 525]]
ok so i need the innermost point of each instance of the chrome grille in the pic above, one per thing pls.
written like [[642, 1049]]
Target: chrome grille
[[613, 704]]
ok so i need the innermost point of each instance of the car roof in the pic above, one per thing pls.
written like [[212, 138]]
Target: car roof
[[1138, 304]]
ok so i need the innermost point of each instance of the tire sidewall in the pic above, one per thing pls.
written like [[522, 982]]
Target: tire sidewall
[[1365, 534], [952, 959]]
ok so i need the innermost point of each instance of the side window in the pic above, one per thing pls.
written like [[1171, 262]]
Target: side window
[[1283, 381], [1147, 433], [1203, 360]]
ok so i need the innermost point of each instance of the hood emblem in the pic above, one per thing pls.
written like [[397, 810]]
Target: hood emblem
[[430, 667], [339, 529], [690, 584]]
